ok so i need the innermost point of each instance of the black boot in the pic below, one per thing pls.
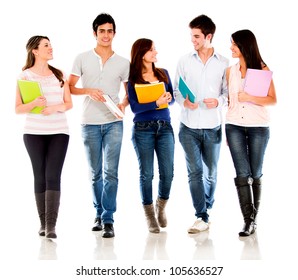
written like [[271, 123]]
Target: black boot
[[97, 224], [52, 207], [246, 205], [256, 190], [41, 208], [108, 231]]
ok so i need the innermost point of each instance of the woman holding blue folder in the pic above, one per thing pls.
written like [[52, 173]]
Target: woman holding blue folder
[[152, 131], [247, 126]]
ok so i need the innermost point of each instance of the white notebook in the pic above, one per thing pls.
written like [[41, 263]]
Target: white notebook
[[112, 106]]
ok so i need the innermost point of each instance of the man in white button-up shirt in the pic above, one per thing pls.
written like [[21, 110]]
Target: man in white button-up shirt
[[200, 131]]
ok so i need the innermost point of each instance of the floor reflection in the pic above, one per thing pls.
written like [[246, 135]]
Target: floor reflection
[[251, 249], [47, 249], [155, 247], [104, 249], [204, 249]]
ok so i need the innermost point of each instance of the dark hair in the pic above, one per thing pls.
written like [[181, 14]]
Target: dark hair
[[204, 23], [33, 44], [138, 50], [248, 46], [102, 19]]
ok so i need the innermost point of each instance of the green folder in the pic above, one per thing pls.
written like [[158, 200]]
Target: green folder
[[30, 90], [185, 91]]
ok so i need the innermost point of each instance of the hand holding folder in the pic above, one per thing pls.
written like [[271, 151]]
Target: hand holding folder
[[185, 91], [147, 93], [30, 90], [112, 107]]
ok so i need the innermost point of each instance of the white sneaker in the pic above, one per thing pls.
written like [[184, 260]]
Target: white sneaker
[[198, 226]]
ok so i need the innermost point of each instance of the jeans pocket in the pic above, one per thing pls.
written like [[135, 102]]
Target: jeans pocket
[[214, 135]]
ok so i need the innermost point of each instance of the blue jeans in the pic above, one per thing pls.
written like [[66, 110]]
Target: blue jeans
[[247, 146], [201, 148], [149, 137], [103, 145]]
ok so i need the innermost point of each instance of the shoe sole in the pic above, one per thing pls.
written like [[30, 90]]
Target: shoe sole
[[192, 231], [108, 235], [96, 229], [243, 234]]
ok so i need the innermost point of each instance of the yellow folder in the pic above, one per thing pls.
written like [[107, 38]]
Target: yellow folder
[[150, 92], [30, 90]]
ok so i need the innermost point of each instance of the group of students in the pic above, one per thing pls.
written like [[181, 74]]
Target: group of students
[[102, 71]]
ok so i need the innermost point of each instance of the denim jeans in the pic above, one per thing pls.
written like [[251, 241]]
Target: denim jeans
[[103, 144], [149, 137], [201, 148], [247, 146]]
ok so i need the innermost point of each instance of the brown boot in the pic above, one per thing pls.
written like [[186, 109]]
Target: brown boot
[[151, 220], [52, 207], [160, 212], [41, 208]]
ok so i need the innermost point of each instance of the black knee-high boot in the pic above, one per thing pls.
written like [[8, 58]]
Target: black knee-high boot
[[41, 208], [52, 207], [246, 205], [256, 190]]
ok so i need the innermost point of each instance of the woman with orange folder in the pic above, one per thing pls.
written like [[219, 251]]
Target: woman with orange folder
[[46, 133], [247, 126], [152, 130]]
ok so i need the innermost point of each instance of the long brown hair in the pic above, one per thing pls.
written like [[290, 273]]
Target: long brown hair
[[248, 46], [138, 50], [33, 44]]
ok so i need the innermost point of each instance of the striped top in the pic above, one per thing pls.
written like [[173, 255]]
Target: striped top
[[55, 123]]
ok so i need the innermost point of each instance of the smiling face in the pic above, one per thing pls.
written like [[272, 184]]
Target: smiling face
[[44, 50], [199, 40], [105, 34], [235, 50], [150, 56]]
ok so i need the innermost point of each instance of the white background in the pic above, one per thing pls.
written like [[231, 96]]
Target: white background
[[68, 24]]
